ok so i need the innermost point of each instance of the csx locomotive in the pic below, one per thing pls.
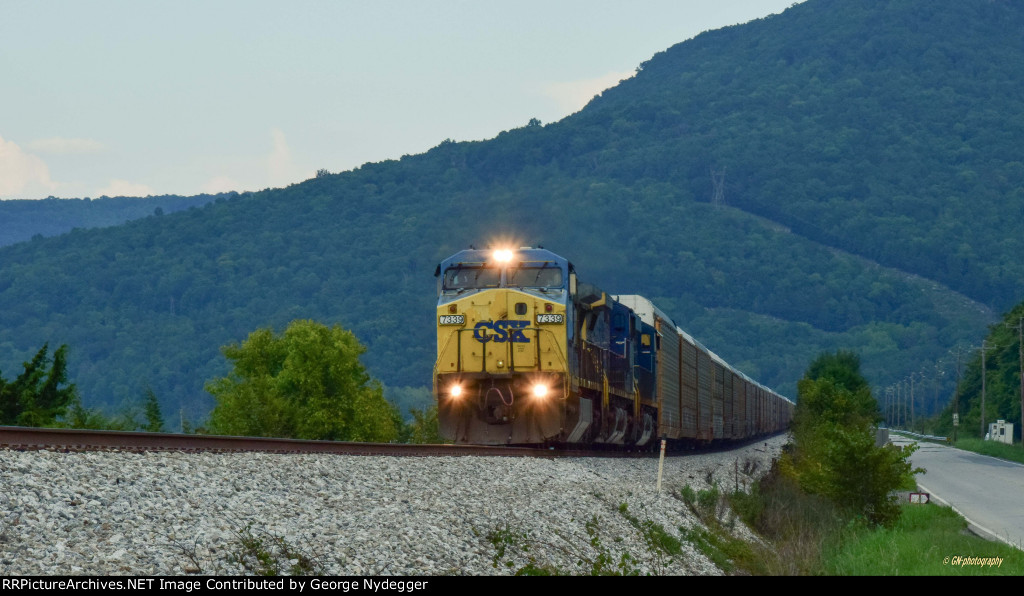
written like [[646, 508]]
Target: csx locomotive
[[528, 354]]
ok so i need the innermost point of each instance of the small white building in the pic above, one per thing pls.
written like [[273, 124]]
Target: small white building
[[1001, 431]]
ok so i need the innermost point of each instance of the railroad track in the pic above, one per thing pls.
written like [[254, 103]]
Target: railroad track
[[23, 438]]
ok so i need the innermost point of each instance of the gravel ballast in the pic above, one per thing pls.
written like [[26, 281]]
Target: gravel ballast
[[171, 513]]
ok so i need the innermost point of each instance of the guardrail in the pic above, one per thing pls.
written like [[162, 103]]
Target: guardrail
[[920, 436]]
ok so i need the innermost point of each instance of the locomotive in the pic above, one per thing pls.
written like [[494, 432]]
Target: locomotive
[[527, 354]]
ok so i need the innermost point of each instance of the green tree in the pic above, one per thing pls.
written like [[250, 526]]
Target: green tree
[[78, 416], [424, 428], [154, 419], [306, 383], [843, 367], [834, 390], [835, 454], [39, 395]]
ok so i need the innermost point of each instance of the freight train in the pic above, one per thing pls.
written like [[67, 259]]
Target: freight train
[[527, 354]]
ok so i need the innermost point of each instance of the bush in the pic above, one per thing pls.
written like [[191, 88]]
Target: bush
[[835, 454], [425, 428], [798, 524], [306, 383]]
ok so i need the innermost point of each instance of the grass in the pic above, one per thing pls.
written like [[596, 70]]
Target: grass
[[518, 545], [716, 540], [252, 552], [797, 526], [1000, 450], [811, 537], [927, 540], [513, 547]]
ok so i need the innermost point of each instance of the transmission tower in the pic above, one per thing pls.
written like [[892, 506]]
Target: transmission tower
[[718, 182]]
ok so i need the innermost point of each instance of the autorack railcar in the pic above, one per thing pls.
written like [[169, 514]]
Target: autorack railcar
[[527, 354]]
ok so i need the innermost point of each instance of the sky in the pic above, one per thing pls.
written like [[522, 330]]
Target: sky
[[139, 97]]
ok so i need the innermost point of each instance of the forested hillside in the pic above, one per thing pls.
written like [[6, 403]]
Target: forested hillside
[[843, 175], [1003, 364], [20, 220]]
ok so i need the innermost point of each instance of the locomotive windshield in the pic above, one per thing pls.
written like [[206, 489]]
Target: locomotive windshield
[[461, 277], [541, 275], [535, 275]]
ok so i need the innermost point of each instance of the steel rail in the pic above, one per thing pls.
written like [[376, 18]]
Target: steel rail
[[63, 439], [14, 437], [25, 438]]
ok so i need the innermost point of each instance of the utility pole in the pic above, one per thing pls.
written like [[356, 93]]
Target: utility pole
[[888, 404], [911, 400], [899, 402], [1020, 349], [956, 396], [900, 419], [903, 403], [885, 407], [983, 375], [718, 182], [984, 348]]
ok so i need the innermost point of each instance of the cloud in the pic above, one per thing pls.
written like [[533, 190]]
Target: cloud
[[280, 169], [273, 170], [123, 188], [23, 175], [219, 184], [572, 96], [61, 146]]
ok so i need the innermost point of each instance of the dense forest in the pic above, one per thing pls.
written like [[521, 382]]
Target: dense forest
[[844, 175], [23, 219], [1003, 366]]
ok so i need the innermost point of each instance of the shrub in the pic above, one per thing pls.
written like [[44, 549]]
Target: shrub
[[835, 454], [306, 383]]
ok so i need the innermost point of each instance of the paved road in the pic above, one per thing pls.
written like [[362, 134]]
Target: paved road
[[989, 492]]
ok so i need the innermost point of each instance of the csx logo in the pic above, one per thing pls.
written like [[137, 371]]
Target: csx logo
[[503, 331]]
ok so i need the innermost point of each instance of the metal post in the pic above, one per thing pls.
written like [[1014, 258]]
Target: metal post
[[661, 464]]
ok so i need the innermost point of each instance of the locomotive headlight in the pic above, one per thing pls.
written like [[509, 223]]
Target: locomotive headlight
[[502, 255], [540, 391], [456, 390]]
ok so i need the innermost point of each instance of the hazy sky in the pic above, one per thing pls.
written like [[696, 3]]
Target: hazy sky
[[139, 97]]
